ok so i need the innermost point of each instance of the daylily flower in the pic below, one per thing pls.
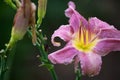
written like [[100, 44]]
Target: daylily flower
[[86, 41]]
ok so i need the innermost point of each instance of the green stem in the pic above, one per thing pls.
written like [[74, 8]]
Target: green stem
[[1, 68], [78, 75], [43, 54], [0, 65], [9, 62], [6, 63], [53, 73], [10, 3]]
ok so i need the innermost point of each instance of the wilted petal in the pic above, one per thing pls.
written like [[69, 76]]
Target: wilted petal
[[105, 46], [90, 63], [21, 22], [97, 24], [32, 22], [63, 56], [64, 32], [22, 17], [26, 6]]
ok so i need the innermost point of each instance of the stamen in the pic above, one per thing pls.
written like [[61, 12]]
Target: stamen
[[96, 36], [89, 33], [84, 35], [79, 34], [85, 39]]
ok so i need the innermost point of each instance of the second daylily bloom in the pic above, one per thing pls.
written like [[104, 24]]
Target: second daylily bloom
[[86, 41]]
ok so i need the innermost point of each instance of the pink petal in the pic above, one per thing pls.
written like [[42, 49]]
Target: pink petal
[[76, 20], [71, 4], [76, 62], [109, 33], [64, 32], [70, 11], [63, 56], [90, 63], [96, 24], [105, 46]]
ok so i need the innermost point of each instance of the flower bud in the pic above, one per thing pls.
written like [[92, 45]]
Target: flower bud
[[42, 4]]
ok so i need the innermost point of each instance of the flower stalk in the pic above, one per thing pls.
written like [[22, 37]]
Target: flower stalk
[[78, 75], [6, 59], [10, 2], [38, 41], [40, 44]]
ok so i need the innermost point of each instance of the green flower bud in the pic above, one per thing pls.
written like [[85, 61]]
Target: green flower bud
[[42, 4]]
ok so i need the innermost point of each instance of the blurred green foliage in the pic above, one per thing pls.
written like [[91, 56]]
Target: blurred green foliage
[[25, 65]]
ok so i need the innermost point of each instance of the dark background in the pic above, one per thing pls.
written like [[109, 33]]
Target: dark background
[[25, 64]]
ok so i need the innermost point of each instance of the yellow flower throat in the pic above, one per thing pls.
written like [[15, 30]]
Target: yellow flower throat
[[84, 40]]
